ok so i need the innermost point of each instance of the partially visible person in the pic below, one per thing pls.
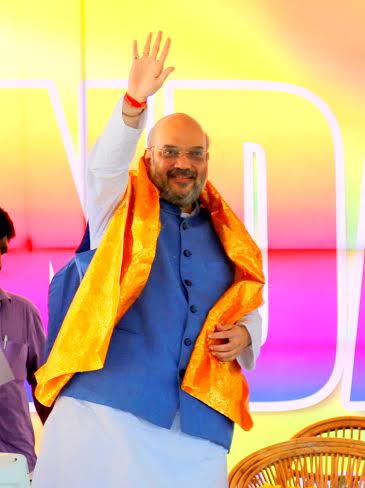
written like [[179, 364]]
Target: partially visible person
[[145, 347], [22, 343]]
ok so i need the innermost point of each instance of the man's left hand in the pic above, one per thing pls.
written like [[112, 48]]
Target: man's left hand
[[228, 341]]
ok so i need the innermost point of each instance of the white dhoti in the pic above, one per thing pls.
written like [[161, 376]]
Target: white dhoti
[[86, 445]]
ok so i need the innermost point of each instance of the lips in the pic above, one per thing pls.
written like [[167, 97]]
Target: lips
[[184, 174], [182, 178], [182, 181]]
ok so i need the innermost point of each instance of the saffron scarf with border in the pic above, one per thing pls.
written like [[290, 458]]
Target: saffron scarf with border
[[127, 251]]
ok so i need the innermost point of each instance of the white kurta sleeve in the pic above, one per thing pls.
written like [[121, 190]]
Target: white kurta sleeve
[[107, 171], [253, 323]]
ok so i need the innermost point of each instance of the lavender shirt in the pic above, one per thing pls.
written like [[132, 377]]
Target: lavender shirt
[[22, 341]]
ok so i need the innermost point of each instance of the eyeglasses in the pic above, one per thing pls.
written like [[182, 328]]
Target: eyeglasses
[[171, 153]]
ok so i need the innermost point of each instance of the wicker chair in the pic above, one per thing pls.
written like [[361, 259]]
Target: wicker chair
[[339, 427], [309, 462], [242, 466]]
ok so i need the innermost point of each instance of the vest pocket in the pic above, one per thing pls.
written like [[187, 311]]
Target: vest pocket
[[125, 328]]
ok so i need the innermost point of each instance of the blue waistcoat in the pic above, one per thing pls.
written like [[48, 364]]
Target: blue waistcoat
[[151, 345]]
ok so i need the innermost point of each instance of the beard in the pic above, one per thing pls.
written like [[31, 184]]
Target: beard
[[162, 182]]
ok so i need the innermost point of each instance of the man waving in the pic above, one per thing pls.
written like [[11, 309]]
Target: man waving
[[145, 351]]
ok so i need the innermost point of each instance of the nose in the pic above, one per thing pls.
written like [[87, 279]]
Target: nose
[[182, 162]]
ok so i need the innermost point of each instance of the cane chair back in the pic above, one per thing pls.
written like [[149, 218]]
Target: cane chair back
[[242, 466], [304, 463], [340, 427]]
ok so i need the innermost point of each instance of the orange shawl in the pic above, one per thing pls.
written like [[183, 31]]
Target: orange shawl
[[127, 251]]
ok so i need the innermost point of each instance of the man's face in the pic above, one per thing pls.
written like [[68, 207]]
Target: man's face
[[3, 248], [178, 160]]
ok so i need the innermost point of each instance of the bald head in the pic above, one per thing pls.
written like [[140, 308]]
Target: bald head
[[180, 129]]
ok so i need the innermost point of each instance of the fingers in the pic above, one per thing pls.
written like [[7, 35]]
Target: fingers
[[234, 345], [155, 48], [227, 355], [225, 334], [147, 46], [156, 45], [147, 73], [224, 326], [165, 51], [226, 347], [226, 352], [135, 50], [165, 74]]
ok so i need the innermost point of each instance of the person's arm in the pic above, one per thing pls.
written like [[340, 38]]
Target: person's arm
[[35, 358], [107, 171], [253, 324], [242, 340], [107, 174]]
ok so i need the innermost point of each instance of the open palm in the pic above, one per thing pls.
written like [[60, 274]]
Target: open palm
[[147, 73]]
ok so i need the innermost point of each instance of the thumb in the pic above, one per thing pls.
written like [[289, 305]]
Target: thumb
[[165, 73], [221, 327]]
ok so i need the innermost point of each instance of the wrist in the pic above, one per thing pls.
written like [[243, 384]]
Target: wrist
[[132, 115], [135, 100], [245, 333]]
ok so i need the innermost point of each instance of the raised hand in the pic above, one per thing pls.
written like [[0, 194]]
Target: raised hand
[[147, 73]]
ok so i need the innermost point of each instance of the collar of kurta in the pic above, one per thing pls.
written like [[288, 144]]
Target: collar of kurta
[[127, 251]]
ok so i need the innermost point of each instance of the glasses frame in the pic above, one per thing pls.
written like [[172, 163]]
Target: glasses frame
[[180, 153]]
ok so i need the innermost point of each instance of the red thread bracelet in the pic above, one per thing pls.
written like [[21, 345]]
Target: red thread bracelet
[[133, 102]]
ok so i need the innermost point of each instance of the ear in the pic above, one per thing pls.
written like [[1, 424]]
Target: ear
[[147, 157]]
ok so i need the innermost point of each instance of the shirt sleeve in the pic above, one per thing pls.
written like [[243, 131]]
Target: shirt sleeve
[[253, 323], [107, 171], [36, 343], [35, 359]]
